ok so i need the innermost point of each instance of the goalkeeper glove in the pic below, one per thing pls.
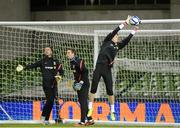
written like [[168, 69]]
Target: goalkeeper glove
[[77, 86], [128, 19], [58, 78], [127, 22], [135, 29], [19, 68]]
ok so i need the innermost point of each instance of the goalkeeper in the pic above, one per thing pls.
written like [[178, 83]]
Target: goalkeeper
[[111, 45], [51, 71], [81, 85]]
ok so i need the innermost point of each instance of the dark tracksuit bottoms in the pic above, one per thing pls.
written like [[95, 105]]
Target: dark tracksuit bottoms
[[81, 74], [49, 69]]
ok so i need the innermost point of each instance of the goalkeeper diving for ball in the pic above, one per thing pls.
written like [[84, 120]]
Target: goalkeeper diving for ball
[[52, 72], [81, 85], [109, 48]]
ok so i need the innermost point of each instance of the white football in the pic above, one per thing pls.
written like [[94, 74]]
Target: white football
[[135, 20]]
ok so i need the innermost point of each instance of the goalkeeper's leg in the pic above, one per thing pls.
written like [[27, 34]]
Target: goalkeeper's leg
[[107, 76], [112, 114], [50, 96], [82, 98], [83, 104], [95, 81], [58, 117]]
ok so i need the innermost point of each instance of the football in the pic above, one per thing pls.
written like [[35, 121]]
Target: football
[[135, 20]]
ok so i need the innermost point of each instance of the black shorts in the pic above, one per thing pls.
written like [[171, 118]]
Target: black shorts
[[105, 72]]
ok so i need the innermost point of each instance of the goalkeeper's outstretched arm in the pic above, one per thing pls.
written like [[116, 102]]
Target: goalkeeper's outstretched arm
[[115, 31], [34, 65], [19, 68], [125, 41]]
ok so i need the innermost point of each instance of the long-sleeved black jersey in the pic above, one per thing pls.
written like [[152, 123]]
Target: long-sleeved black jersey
[[109, 49], [79, 69], [50, 67]]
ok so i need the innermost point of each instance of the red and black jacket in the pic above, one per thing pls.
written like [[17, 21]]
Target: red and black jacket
[[79, 69]]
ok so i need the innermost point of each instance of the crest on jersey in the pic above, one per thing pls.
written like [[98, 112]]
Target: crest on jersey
[[54, 64], [112, 45]]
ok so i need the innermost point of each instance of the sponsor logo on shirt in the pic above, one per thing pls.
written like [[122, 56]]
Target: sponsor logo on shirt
[[46, 67]]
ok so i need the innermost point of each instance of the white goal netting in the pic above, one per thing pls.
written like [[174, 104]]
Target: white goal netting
[[146, 72]]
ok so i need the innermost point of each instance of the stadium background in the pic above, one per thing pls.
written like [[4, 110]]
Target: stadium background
[[64, 10], [53, 10]]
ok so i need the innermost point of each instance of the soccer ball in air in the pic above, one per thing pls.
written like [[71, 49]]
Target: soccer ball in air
[[135, 20]]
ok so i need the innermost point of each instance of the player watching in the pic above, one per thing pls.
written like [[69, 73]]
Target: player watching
[[81, 85], [111, 45], [51, 72]]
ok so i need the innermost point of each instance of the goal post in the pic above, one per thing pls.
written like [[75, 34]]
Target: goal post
[[146, 74]]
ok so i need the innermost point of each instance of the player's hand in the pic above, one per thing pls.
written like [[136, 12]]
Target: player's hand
[[19, 68], [128, 19], [58, 78], [135, 29]]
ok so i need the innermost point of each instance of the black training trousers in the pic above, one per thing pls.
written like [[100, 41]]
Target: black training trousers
[[104, 71], [50, 93], [83, 100]]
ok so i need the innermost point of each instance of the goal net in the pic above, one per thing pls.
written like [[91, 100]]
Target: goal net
[[146, 73]]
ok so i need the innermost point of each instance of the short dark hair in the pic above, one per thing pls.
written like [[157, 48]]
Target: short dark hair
[[48, 47], [72, 50]]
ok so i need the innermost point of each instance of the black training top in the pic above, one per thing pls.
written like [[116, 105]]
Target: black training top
[[79, 69], [50, 67], [109, 49]]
